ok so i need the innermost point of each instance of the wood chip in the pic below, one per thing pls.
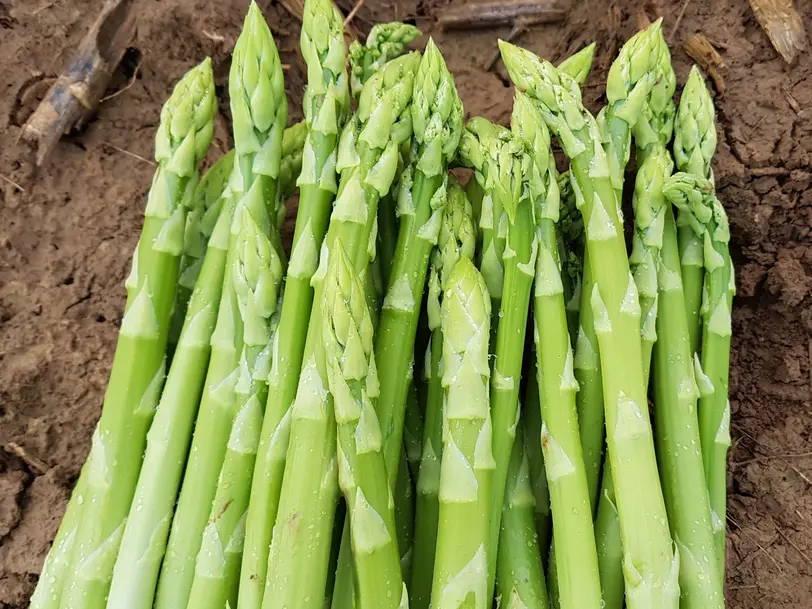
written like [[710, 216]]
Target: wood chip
[[783, 26], [495, 14], [699, 48]]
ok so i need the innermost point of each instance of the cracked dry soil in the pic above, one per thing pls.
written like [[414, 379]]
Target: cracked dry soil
[[66, 241]]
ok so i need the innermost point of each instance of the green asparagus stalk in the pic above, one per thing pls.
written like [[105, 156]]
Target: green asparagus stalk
[[461, 563], [457, 239], [368, 159], [200, 222], [650, 564], [48, 592], [531, 426], [579, 65], [574, 539], [694, 146], [607, 539], [413, 432], [326, 104], [290, 167], [259, 111], [147, 529], [678, 437], [695, 198], [385, 42], [518, 568], [354, 385], [184, 135]]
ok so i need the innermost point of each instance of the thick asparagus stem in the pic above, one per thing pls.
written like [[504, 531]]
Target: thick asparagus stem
[[353, 382], [694, 146], [695, 198], [385, 42], [519, 572], [259, 109], [184, 135], [457, 239], [579, 65], [574, 539], [290, 166], [326, 104], [461, 565], [368, 158], [650, 563], [147, 529], [678, 438]]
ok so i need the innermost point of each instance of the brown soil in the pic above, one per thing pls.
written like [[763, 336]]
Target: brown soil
[[66, 240]]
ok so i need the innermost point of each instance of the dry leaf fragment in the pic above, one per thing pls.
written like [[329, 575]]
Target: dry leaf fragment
[[783, 26]]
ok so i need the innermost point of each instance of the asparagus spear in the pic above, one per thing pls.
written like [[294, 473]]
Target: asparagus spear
[[259, 109], [579, 65], [257, 275], [326, 104], [184, 135], [457, 239], [531, 426], [384, 42], [290, 166], [695, 199], [354, 385], [678, 433], [200, 222], [518, 568], [694, 146], [650, 564], [574, 540], [368, 158], [461, 564], [145, 535]]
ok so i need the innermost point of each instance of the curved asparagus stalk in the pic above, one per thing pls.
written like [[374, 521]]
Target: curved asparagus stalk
[[457, 239], [519, 573], [259, 109], [368, 158], [696, 201], [184, 135], [496, 156], [326, 104], [579, 65], [574, 539], [145, 535], [257, 275], [385, 42], [200, 222], [461, 564], [650, 563], [694, 146], [678, 437], [353, 383]]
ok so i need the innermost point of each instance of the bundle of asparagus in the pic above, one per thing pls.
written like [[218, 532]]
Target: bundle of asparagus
[[360, 422]]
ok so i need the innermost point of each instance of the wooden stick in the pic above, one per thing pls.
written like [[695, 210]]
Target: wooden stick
[[494, 14], [702, 52], [78, 90]]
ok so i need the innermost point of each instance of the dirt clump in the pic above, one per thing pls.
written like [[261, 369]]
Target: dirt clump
[[68, 233]]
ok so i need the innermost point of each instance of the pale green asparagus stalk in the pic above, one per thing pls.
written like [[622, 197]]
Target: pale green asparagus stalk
[[136, 379], [326, 104], [650, 564], [519, 571], [678, 432], [579, 65], [461, 564], [694, 146], [145, 535], [353, 383], [457, 239], [368, 159], [259, 111], [257, 275], [531, 426], [696, 201], [200, 222], [576, 570]]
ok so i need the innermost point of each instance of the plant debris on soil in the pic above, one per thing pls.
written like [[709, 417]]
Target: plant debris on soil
[[68, 231]]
